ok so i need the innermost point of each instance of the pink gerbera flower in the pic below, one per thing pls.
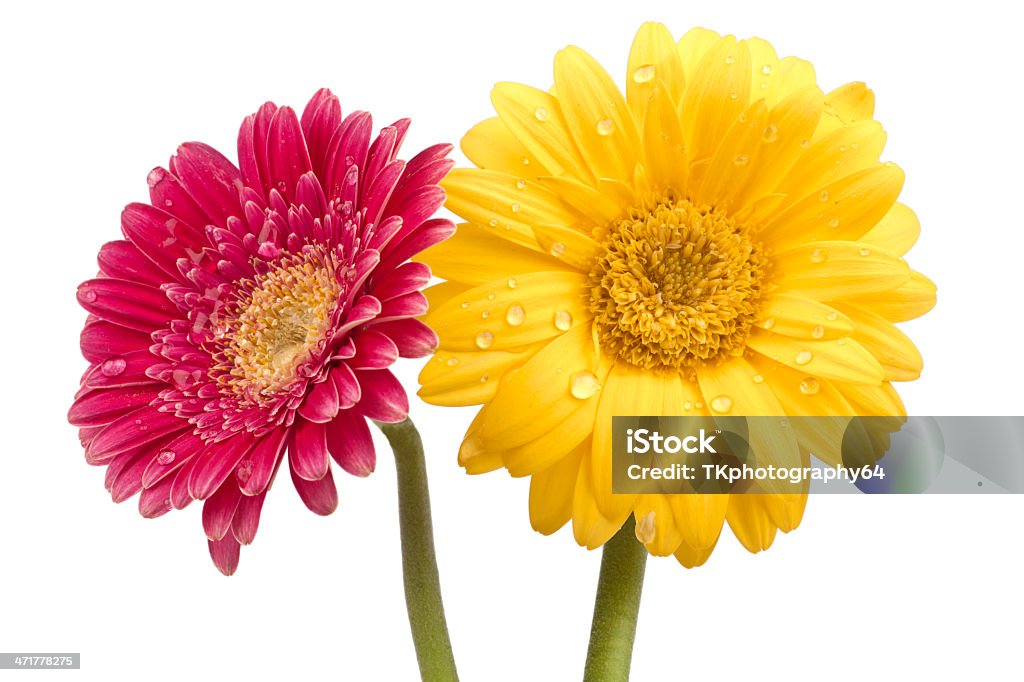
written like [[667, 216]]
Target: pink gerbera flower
[[256, 310]]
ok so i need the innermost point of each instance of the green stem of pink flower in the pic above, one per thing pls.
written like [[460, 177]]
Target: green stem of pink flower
[[419, 564], [623, 561]]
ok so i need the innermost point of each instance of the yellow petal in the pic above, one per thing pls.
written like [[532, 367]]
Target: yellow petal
[[537, 397], [910, 300], [570, 247], [656, 526], [472, 457], [792, 74], [842, 152], [715, 96], [597, 115], [730, 166], [590, 527], [692, 47], [829, 270], [508, 205], [842, 210], [892, 348], [836, 359], [468, 378], [896, 232], [690, 557], [652, 58], [552, 491], [598, 207], [542, 452], [492, 146], [803, 318], [873, 401], [438, 294], [845, 105], [535, 118], [495, 316], [476, 255], [664, 146], [750, 522]]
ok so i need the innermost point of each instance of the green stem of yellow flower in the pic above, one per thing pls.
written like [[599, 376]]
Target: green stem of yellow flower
[[419, 565], [616, 608]]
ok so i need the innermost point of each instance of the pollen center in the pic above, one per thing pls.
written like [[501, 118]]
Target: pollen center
[[676, 286], [276, 322]]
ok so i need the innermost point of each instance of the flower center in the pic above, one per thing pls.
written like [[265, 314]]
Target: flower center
[[275, 322], [677, 285]]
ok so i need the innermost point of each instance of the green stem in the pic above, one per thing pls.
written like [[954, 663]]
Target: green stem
[[616, 608], [419, 565]]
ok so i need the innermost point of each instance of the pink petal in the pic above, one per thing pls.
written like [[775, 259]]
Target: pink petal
[[321, 404], [129, 304], [225, 553], [101, 340], [145, 425], [256, 471], [383, 397], [287, 156], [122, 260], [380, 191], [320, 120], [156, 501], [104, 406], [220, 509], [147, 227], [350, 443], [184, 218], [216, 463], [413, 338], [412, 304], [373, 351], [383, 233], [129, 369], [247, 518], [171, 457], [429, 233], [347, 147], [347, 386], [321, 497], [307, 451], [211, 180], [378, 157], [180, 497], [406, 278], [365, 309], [418, 207]]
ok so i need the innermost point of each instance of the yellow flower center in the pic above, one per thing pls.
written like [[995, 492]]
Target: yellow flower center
[[677, 285], [278, 318]]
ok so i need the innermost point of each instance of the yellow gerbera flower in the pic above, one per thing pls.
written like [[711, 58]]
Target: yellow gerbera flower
[[722, 240]]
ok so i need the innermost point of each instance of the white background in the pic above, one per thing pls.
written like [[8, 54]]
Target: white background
[[94, 97]]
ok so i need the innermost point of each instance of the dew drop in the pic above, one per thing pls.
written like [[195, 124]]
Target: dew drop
[[452, 362], [524, 160], [770, 134], [166, 457], [87, 294], [766, 69], [834, 222], [512, 283], [824, 195], [644, 74], [730, 60], [818, 332], [491, 297], [721, 404], [803, 357], [563, 320], [831, 317], [484, 378], [515, 315], [464, 305], [758, 379], [484, 340], [741, 160], [113, 367], [605, 127], [865, 252], [541, 114], [805, 143], [493, 222], [809, 386], [841, 342], [733, 95], [244, 472], [699, 405], [645, 530], [485, 314], [687, 405], [516, 207], [769, 323], [583, 384], [520, 184], [558, 249], [819, 256]]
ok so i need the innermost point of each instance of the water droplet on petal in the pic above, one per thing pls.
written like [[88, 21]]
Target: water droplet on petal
[[769, 323], [805, 143], [452, 362], [819, 255], [770, 134], [166, 457], [831, 317], [687, 405], [512, 283], [699, 405], [730, 60], [541, 114], [515, 315], [818, 332], [464, 305], [113, 367], [605, 127], [558, 249], [484, 340], [520, 184], [563, 320], [644, 74], [758, 379], [583, 384], [87, 294], [824, 195], [834, 222], [741, 160], [721, 404], [524, 160], [491, 297], [493, 222], [766, 69], [645, 529], [516, 207], [244, 472], [803, 357], [485, 314], [484, 378], [809, 386], [865, 252]]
